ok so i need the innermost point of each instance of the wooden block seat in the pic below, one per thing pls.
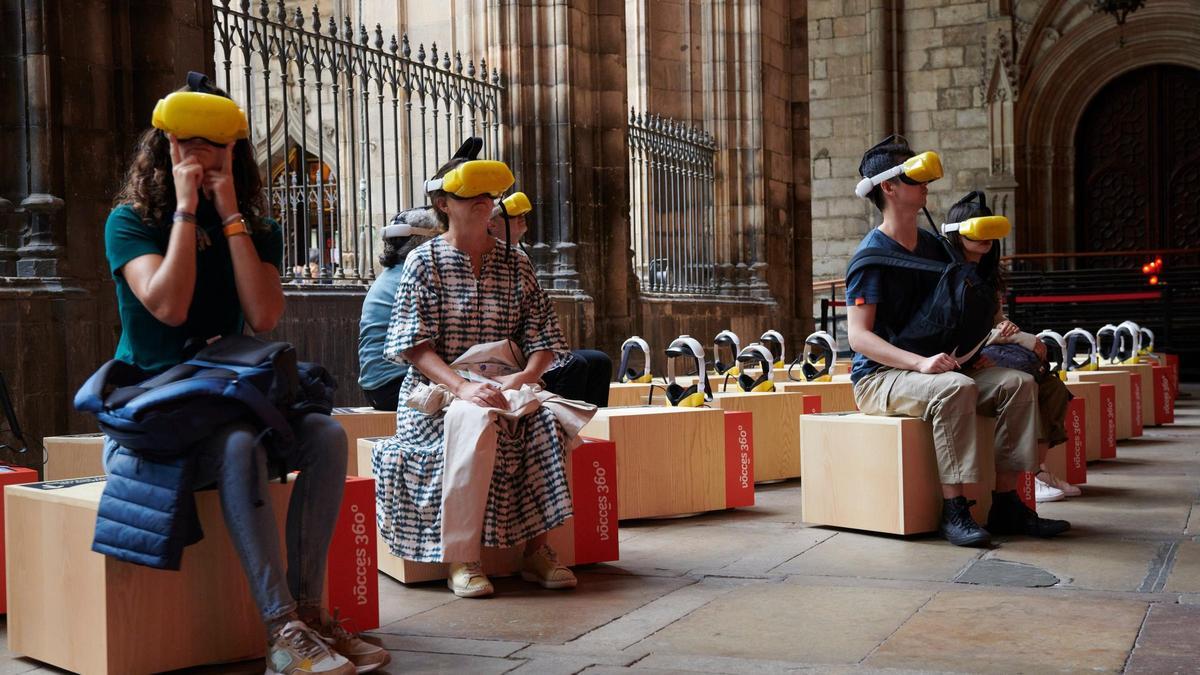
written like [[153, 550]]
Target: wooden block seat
[[1068, 460], [879, 474], [670, 461], [1093, 420], [359, 423], [632, 393], [776, 419], [73, 456], [1123, 399], [1143, 393], [589, 536], [82, 611], [836, 396], [85, 612]]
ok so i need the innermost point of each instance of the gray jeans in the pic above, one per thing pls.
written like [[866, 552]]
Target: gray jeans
[[232, 461], [950, 401]]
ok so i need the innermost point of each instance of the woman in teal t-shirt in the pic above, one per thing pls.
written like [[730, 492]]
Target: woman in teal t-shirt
[[194, 258]]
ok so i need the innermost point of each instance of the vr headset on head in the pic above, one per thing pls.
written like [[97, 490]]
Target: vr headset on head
[[1081, 343], [695, 395], [818, 359], [199, 113], [755, 356], [983, 228], [517, 204], [726, 339], [473, 178], [628, 374], [1056, 350], [773, 341], [923, 168], [416, 221]]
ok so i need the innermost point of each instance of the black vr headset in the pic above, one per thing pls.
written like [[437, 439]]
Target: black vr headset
[[1056, 350], [1082, 351], [773, 341]]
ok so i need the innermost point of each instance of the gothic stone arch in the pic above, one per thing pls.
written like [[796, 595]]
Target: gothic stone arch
[[1066, 68]]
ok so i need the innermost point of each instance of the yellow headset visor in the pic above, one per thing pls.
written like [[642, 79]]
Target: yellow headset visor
[[474, 178], [193, 114], [517, 204], [923, 168], [982, 228]]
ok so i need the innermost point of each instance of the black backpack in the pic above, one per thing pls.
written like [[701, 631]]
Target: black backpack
[[236, 377], [955, 317]]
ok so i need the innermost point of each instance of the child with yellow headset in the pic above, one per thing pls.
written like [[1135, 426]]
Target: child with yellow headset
[[973, 229]]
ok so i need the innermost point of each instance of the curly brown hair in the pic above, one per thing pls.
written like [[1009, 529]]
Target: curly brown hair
[[149, 186]]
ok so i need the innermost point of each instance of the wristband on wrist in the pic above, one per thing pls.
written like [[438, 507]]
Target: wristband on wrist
[[230, 219], [184, 216], [235, 228]]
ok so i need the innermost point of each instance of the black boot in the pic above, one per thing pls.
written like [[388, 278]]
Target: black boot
[[958, 527], [1009, 515]]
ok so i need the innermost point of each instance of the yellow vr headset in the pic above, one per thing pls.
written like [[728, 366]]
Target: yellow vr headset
[[194, 114], [923, 168], [755, 355], [982, 228], [473, 178], [1147, 341], [628, 374], [517, 204]]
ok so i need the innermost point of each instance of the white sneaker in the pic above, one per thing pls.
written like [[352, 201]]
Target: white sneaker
[[1060, 484], [1045, 493]]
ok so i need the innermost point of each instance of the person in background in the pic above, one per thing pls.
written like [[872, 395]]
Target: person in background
[[586, 373], [380, 378]]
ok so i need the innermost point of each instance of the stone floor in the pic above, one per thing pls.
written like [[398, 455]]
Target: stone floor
[[757, 590]]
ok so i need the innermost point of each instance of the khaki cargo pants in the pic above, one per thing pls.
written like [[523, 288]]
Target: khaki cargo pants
[[951, 401]]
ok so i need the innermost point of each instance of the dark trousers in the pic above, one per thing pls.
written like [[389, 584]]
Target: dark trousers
[[584, 377], [385, 397]]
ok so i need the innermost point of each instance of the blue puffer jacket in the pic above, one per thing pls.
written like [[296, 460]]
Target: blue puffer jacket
[[147, 514]]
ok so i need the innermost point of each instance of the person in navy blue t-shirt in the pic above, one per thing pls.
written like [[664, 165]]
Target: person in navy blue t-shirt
[[944, 390]]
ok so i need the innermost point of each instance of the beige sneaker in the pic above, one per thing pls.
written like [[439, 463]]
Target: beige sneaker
[[364, 655], [298, 650], [468, 581], [544, 569], [1058, 483]]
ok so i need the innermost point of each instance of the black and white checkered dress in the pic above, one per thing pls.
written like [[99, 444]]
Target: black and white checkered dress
[[450, 308]]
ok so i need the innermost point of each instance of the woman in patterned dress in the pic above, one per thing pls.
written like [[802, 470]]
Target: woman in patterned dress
[[461, 289]]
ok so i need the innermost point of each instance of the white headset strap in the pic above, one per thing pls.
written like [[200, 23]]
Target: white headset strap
[[693, 345], [947, 228], [434, 184], [865, 185], [638, 342]]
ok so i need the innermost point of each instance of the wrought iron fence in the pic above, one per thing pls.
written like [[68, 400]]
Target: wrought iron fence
[[344, 129], [672, 200]]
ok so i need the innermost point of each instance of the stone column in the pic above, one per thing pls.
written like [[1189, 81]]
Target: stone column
[[568, 124]]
